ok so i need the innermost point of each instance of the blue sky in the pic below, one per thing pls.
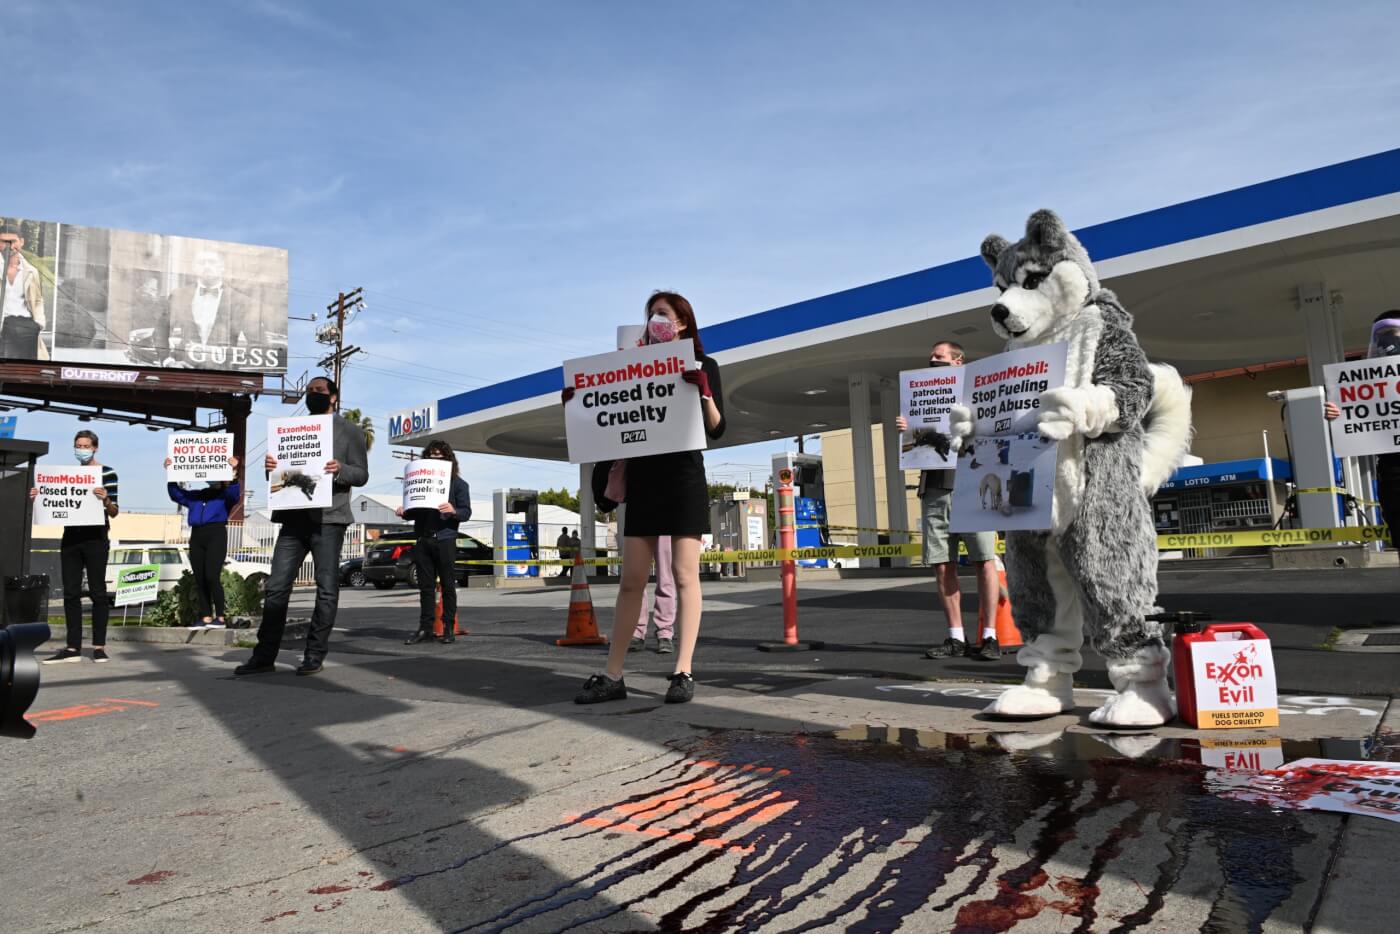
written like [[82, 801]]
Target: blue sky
[[509, 181]]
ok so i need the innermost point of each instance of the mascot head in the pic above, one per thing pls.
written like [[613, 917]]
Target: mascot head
[[1045, 277]]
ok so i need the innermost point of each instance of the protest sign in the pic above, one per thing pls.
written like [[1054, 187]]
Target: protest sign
[[1371, 789], [198, 456], [1234, 683], [632, 403], [925, 396], [427, 484], [66, 497], [137, 584], [1005, 477], [302, 446], [1368, 393]]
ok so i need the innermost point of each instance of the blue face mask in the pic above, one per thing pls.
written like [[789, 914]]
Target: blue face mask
[[84, 455]]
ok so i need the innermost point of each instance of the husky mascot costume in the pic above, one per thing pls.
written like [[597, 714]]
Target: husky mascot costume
[[1123, 426]]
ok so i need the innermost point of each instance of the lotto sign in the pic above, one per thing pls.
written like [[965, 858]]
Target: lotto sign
[[196, 456], [138, 584], [66, 497], [1235, 684], [1368, 393], [426, 484], [632, 403]]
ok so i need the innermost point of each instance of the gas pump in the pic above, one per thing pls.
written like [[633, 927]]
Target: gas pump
[[740, 523], [809, 501], [515, 517]]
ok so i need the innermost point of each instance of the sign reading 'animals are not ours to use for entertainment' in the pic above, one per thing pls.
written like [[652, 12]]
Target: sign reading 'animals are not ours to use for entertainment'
[[302, 446], [1368, 394], [1006, 471], [632, 403]]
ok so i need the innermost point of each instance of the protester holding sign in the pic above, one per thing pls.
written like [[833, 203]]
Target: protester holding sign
[[941, 546], [1385, 391], [84, 549], [206, 510], [319, 532], [666, 494], [435, 552]]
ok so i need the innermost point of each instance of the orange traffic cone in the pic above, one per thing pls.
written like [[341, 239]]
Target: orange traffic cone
[[583, 622], [457, 629], [1008, 636]]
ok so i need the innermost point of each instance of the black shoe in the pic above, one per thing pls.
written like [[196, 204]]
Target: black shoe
[[254, 667], [682, 688], [600, 688], [309, 667], [447, 638], [69, 654], [100, 655], [419, 636], [951, 648], [989, 652]]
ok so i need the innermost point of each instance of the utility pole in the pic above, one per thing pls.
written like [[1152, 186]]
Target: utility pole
[[333, 334]]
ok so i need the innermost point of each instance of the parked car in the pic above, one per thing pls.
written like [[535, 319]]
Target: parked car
[[389, 560], [174, 561], [352, 573]]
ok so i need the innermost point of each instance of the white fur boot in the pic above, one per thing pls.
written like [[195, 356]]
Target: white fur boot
[[1144, 698], [1051, 658]]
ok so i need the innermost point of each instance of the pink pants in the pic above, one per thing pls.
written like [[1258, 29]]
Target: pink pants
[[663, 605]]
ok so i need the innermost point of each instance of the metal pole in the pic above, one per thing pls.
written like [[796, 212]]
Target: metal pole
[[787, 539]]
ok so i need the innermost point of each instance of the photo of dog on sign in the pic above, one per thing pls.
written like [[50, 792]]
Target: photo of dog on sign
[[1003, 482]]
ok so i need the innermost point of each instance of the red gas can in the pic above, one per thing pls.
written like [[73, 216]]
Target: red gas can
[[1189, 633]]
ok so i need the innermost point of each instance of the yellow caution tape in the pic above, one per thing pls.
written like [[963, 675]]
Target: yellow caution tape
[[1319, 489], [1274, 537]]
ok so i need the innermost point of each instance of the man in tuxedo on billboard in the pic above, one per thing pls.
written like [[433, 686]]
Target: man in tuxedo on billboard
[[209, 320]]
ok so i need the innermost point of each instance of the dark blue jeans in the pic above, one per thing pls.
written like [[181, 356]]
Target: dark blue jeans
[[295, 540]]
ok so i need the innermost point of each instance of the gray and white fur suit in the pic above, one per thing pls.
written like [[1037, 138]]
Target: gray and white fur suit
[[1123, 425]]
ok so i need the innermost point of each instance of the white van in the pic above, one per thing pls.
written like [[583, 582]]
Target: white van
[[174, 561]]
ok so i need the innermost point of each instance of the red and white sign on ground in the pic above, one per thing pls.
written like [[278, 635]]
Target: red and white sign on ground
[[1235, 684], [1371, 789]]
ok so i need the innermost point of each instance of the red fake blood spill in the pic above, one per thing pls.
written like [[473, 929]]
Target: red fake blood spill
[[385, 886], [328, 890], [1077, 895], [331, 907], [364, 874], [285, 914], [1010, 907], [399, 749], [151, 878]]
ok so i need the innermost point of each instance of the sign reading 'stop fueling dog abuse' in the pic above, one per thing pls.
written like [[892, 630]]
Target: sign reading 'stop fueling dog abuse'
[[1006, 471], [925, 396], [1368, 393], [632, 403], [302, 446], [66, 496]]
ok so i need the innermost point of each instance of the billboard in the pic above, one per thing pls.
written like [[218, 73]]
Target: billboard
[[90, 295]]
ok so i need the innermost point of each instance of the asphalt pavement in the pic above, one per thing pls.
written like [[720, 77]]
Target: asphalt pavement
[[456, 788]]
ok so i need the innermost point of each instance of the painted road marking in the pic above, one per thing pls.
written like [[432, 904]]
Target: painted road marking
[[107, 705]]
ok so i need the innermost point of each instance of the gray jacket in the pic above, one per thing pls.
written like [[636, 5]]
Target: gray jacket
[[348, 448]]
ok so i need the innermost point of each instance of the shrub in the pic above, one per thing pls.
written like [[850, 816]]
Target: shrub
[[244, 595]]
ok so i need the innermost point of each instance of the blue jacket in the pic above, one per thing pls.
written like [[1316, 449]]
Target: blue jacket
[[208, 505]]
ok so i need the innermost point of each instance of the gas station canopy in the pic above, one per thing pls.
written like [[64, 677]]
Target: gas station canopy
[[1219, 282]]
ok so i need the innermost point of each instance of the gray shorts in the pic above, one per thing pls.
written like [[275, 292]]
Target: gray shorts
[[940, 545]]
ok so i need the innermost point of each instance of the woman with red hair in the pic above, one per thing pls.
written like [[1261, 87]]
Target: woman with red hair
[[666, 495]]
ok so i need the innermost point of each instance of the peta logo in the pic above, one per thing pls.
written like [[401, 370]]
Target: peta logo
[[638, 434], [402, 424]]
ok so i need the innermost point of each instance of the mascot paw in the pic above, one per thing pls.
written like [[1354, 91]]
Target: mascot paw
[[1067, 410], [960, 424], [1041, 697], [1137, 704]]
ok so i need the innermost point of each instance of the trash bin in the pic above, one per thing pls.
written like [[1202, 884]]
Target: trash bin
[[27, 599]]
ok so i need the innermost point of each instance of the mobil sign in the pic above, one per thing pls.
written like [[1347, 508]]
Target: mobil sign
[[412, 422]]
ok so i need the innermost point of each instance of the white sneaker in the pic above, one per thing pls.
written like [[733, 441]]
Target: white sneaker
[[216, 625]]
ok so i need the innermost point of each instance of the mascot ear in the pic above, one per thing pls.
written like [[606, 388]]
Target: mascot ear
[[992, 248], [1046, 229]]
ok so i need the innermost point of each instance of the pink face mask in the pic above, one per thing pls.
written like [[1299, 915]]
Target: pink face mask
[[661, 329]]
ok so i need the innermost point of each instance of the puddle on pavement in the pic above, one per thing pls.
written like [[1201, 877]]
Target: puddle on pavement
[[970, 833], [1223, 752]]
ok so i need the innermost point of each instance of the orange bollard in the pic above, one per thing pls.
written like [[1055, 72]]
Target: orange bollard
[[1008, 636], [582, 628], [787, 539], [457, 629]]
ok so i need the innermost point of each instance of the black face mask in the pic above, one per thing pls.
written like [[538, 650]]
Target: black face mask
[[939, 363], [318, 403], [1389, 346]]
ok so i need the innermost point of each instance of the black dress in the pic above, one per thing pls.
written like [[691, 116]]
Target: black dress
[[667, 493]]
